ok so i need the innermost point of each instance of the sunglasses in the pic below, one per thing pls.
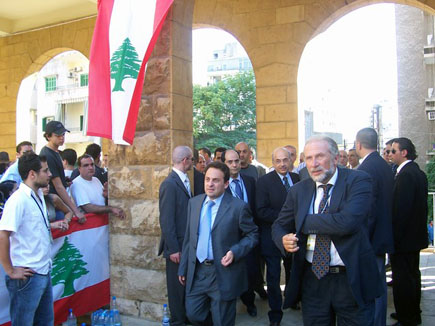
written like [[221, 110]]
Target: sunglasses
[[393, 151], [387, 151]]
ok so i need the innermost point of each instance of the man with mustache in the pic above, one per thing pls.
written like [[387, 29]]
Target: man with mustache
[[322, 222]]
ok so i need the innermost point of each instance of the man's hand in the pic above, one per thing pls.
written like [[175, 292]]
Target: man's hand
[[81, 217], [118, 212], [175, 258], [290, 242], [20, 273], [182, 280], [227, 259]]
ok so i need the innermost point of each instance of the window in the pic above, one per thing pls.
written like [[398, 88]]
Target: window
[[84, 80], [81, 123], [45, 121], [50, 83]]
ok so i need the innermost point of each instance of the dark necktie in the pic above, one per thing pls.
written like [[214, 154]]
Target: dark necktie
[[238, 189], [322, 255], [286, 184]]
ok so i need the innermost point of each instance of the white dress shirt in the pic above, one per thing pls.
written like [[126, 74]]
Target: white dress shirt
[[315, 202], [184, 178]]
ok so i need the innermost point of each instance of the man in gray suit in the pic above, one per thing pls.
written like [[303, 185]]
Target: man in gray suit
[[220, 233], [174, 194]]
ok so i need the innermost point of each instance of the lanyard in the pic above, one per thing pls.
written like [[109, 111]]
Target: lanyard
[[327, 201], [42, 212]]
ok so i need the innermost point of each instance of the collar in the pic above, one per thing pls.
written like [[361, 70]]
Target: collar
[[28, 191], [238, 178], [400, 167], [282, 176], [331, 181], [181, 174], [362, 160], [217, 201]]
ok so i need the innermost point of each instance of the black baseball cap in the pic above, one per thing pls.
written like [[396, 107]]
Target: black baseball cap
[[55, 127]]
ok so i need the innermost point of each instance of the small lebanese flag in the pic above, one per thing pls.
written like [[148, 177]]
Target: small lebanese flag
[[124, 37], [80, 272]]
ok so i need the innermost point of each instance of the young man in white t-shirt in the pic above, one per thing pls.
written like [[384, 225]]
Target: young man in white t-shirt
[[25, 241], [87, 191]]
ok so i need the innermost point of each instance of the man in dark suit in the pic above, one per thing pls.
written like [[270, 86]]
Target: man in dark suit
[[272, 191], [243, 187], [409, 232], [220, 233], [198, 176], [174, 195], [379, 220], [323, 220]]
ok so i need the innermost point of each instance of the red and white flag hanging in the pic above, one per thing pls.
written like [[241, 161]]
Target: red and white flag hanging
[[124, 37]]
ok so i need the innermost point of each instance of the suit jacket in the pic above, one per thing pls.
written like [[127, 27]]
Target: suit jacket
[[233, 229], [303, 174], [173, 199], [270, 196], [410, 209], [345, 224], [249, 183], [379, 220], [198, 182]]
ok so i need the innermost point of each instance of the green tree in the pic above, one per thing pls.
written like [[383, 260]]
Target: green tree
[[224, 113], [67, 267], [124, 64], [430, 172]]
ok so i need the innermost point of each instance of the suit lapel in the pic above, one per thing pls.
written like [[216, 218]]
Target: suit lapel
[[180, 183], [338, 191], [196, 215], [304, 200], [223, 208]]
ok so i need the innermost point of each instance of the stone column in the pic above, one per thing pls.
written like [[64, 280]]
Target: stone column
[[165, 121]]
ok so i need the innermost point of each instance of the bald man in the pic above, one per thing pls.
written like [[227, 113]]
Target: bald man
[[342, 158], [174, 194], [245, 157]]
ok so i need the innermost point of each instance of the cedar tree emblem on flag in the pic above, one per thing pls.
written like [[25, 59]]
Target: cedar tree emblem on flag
[[68, 266], [124, 63]]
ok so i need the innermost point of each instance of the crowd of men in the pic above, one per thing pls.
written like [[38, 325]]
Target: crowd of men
[[27, 220], [331, 221]]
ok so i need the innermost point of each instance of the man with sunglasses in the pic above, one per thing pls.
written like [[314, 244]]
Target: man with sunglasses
[[409, 232], [55, 135]]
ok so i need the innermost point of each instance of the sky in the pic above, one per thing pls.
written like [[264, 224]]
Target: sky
[[345, 70]]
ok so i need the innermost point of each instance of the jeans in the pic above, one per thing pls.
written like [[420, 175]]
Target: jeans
[[31, 301]]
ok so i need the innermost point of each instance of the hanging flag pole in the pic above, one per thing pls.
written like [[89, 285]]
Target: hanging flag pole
[[124, 37]]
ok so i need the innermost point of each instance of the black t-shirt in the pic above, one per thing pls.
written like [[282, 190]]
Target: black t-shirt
[[55, 165]]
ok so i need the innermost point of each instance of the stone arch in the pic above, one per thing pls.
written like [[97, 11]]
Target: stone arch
[[23, 54]]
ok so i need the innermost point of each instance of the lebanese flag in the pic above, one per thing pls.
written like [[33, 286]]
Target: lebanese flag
[[80, 271], [124, 37]]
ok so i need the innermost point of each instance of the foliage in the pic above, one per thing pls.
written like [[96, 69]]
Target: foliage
[[224, 113]]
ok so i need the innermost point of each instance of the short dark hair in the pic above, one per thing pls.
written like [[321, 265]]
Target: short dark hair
[[223, 154], [220, 150], [30, 162], [220, 166], [205, 149], [390, 142], [195, 156], [23, 143], [69, 155], [79, 160], [405, 143], [94, 150], [368, 138]]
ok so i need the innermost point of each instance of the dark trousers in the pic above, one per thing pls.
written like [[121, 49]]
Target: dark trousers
[[273, 275], [175, 294], [328, 300], [407, 287], [252, 267], [205, 297]]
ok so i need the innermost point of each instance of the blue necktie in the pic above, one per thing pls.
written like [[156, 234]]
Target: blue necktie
[[205, 249], [322, 249], [238, 189], [286, 184]]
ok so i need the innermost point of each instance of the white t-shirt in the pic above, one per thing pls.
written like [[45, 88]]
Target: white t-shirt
[[87, 192], [25, 215]]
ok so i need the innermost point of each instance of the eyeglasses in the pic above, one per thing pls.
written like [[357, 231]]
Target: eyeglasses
[[393, 151], [387, 151]]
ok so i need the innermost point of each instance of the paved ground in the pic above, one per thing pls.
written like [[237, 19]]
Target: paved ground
[[293, 318]]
